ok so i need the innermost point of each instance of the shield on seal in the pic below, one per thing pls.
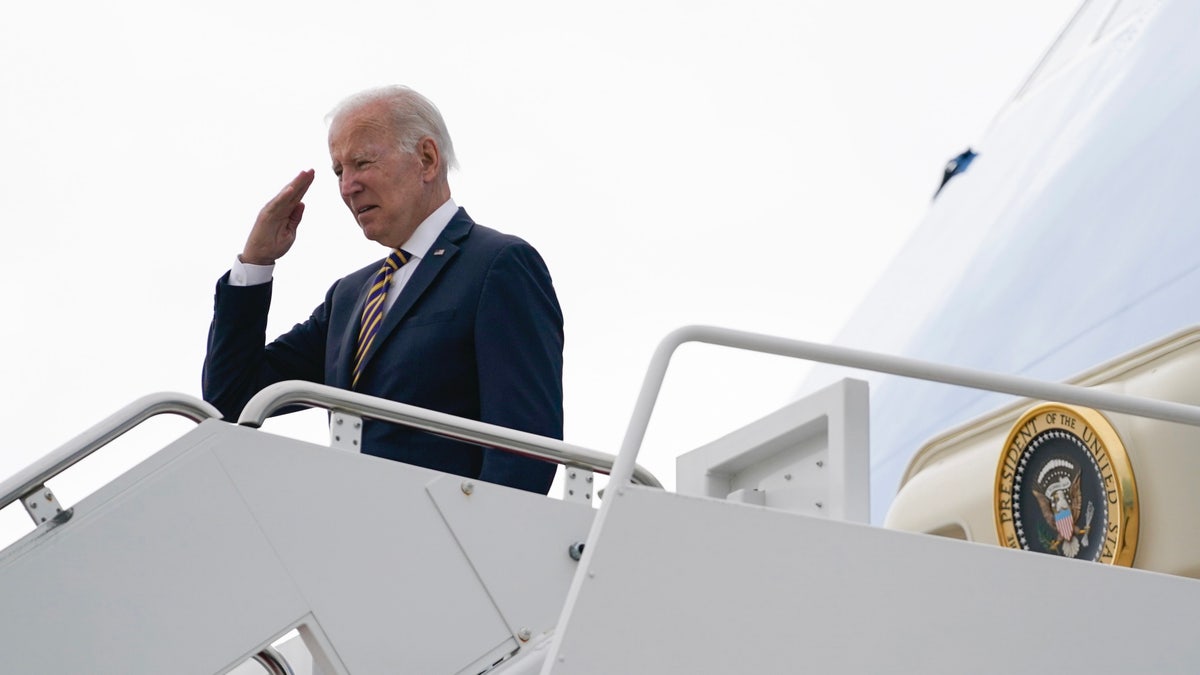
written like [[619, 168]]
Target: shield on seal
[[1065, 524]]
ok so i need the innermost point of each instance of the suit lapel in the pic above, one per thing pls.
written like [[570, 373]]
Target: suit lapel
[[439, 254], [344, 373]]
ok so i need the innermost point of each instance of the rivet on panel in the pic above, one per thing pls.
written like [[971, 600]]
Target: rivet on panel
[[576, 550]]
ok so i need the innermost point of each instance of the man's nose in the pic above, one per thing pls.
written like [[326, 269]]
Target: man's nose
[[348, 184]]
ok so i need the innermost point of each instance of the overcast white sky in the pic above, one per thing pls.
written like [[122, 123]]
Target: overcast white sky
[[739, 163]]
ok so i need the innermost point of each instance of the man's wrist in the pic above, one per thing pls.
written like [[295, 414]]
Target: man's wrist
[[251, 260]]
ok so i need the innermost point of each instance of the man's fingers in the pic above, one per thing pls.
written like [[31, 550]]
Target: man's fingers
[[296, 214], [301, 182], [292, 193], [297, 188]]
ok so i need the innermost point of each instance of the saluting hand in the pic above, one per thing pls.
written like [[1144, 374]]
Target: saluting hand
[[274, 231]]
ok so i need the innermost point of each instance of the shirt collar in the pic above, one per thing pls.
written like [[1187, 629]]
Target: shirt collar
[[430, 229]]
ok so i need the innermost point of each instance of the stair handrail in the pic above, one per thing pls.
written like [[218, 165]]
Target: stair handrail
[[333, 399], [33, 477], [881, 363]]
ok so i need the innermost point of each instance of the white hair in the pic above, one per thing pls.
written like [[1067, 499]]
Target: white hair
[[413, 117]]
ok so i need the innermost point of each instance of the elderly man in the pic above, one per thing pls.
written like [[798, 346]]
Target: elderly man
[[457, 318]]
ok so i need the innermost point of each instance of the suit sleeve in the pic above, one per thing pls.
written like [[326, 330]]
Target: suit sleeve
[[519, 346], [238, 363]]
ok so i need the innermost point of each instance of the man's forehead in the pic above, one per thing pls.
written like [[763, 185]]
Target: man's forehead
[[351, 131]]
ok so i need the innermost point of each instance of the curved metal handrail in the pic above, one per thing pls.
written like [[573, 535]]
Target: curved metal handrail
[[273, 661], [298, 392], [100, 434], [882, 363]]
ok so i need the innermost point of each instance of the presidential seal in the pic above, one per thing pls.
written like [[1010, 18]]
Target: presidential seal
[[1065, 487]]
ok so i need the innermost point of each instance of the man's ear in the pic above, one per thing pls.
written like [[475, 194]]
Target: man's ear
[[431, 158]]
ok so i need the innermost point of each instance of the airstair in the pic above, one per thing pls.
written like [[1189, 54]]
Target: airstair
[[234, 550]]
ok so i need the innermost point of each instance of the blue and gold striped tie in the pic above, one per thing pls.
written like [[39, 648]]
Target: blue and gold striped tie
[[372, 315]]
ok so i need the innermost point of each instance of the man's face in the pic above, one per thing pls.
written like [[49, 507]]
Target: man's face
[[385, 188]]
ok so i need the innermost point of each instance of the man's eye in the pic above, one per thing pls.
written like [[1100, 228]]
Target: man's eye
[[362, 163]]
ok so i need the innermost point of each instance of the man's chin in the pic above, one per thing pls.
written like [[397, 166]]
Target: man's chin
[[387, 233], [372, 231]]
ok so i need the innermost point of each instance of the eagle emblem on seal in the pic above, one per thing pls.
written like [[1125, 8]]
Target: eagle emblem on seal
[[1060, 496]]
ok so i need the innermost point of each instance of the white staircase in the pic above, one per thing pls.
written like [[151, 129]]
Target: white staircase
[[200, 558]]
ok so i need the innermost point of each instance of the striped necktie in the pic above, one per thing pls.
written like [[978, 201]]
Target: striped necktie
[[372, 315]]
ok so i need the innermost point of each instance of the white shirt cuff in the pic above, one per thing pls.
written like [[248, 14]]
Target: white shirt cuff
[[246, 274]]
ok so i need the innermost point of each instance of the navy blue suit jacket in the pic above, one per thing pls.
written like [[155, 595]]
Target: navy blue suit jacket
[[476, 332]]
